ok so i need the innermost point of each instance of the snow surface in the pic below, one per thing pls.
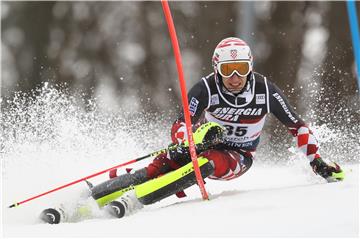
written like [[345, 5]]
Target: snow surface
[[267, 201], [50, 142]]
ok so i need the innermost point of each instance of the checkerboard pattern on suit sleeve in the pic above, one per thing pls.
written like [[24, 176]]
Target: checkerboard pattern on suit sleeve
[[307, 143]]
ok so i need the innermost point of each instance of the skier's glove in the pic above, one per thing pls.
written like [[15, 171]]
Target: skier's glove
[[179, 152], [331, 172], [207, 136]]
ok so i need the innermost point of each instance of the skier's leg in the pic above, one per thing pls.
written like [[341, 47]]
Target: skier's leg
[[228, 164], [214, 164], [208, 134], [159, 188], [115, 187], [119, 183], [154, 190]]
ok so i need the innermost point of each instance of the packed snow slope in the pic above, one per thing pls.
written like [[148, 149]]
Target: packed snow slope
[[48, 142], [267, 201]]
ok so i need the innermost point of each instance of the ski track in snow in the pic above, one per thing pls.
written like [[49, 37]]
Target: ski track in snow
[[50, 142]]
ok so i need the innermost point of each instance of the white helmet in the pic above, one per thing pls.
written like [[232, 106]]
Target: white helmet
[[232, 49]]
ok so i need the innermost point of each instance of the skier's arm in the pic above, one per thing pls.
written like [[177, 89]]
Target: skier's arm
[[283, 111], [306, 141], [198, 97]]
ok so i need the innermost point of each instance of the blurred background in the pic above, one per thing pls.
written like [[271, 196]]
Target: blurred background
[[118, 55]]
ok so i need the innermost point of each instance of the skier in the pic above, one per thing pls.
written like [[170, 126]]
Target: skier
[[238, 99], [228, 110]]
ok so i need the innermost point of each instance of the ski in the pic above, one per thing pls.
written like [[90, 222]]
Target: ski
[[128, 199]]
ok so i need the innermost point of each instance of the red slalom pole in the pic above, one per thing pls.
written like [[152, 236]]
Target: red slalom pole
[[184, 97], [90, 176]]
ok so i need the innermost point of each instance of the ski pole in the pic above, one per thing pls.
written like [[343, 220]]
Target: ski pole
[[156, 153]]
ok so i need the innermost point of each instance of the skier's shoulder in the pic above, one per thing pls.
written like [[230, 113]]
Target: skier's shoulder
[[209, 80], [204, 84], [261, 82], [201, 89], [264, 81], [260, 79]]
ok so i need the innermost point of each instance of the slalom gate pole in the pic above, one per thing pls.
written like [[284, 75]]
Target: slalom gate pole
[[354, 28], [184, 97], [91, 176]]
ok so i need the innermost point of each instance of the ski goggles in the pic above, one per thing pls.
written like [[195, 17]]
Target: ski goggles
[[227, 69]]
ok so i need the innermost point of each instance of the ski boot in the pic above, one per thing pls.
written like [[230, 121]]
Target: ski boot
[[84, 208], [125, 205], [117, 208], [331, 172], [52, 215]]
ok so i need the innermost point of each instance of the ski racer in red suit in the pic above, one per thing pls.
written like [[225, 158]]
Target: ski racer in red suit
[[239, 99], [236, 98], [233, 97]]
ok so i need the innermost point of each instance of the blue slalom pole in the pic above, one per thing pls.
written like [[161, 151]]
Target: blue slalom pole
[[354, 27]]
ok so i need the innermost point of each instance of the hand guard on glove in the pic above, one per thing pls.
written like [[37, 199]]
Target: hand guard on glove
[[331, 172], [206, 137], [179, 152]]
